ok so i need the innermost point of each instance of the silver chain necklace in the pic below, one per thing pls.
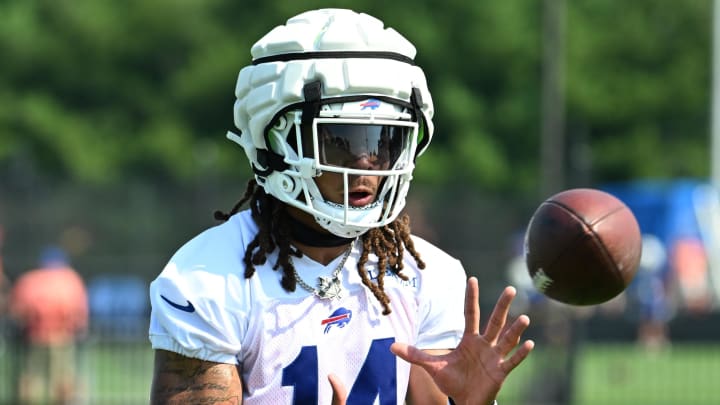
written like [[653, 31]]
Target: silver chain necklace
[[328, 287]]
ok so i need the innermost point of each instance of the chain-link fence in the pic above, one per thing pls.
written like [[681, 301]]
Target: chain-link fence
[[119, 239]]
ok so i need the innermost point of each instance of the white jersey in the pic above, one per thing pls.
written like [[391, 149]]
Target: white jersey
[[287, 343]]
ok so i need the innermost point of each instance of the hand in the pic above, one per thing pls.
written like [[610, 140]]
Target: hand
[[474, 372], [339, 391]]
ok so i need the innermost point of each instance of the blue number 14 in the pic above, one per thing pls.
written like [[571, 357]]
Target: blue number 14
[[376, 378]]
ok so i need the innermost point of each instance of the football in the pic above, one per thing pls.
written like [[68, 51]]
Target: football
[[582, 246]]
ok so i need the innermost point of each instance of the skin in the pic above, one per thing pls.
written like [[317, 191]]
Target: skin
[[471, 374], [181, 380]]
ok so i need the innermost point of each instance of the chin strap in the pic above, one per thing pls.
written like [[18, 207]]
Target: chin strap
[[271, 160]]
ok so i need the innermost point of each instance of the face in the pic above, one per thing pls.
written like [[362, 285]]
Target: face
[[361, 147], [362, 190]]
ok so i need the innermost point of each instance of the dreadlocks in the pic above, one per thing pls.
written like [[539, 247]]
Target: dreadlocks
[[388, 243]]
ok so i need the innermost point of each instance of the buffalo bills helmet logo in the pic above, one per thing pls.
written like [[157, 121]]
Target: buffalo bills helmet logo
[[371, 104], [340, 317]]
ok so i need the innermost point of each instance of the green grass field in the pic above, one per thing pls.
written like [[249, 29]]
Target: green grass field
[[112, 374], [119, 374], [685, 374], [619, 374], [604, 375]]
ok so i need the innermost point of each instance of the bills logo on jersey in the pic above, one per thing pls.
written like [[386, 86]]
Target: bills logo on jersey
[[340, 318], [371, 104]]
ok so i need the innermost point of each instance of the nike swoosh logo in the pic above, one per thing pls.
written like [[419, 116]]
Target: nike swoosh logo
[[187, 308]]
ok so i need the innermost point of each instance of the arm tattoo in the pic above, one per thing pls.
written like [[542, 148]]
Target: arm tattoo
[[181, 380]]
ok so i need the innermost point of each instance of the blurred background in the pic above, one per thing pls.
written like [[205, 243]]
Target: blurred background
[[112, 151]]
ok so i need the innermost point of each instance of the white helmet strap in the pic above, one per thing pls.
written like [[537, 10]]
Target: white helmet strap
[[417, 102]]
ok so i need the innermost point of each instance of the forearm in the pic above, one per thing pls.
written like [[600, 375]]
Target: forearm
[[422, 390], [181, 380]]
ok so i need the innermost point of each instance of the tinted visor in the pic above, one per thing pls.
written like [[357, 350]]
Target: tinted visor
[[365, 147]]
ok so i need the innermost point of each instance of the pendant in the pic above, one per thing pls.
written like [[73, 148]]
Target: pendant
[[329, 288]]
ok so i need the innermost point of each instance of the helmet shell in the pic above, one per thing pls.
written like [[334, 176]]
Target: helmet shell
[[264, 89]]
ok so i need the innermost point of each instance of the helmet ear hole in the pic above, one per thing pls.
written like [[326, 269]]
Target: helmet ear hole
[[278, 183], [280, 123]]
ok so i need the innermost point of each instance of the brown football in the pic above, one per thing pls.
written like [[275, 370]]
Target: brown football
[[582, 246]]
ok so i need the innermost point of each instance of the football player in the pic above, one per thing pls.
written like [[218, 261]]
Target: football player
[[318, 293]]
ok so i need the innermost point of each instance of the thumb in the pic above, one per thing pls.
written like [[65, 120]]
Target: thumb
[[411, 354], [339, 391]]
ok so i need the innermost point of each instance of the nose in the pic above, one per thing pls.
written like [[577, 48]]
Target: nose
[[365, 162]]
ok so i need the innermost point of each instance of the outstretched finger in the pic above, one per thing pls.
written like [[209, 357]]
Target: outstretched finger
[[339, 391], [511, 337], [411, 354], [520, 354], [472, 307], [497, 319]]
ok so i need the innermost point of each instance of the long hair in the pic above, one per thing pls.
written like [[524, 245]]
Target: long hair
[[388, 243]]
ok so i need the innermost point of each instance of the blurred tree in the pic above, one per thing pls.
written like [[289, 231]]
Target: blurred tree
[[103, 92], [639, 86]]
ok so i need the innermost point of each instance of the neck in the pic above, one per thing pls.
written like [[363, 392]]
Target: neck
[[322, 255]]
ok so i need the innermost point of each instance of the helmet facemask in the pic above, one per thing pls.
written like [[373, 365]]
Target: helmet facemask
[[352, 141]]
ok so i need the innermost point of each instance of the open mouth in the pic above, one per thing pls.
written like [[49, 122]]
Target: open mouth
[[360, 198]]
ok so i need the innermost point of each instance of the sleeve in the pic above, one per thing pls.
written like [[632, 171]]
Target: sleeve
[[194, 307], [187, 320], [442, 304]]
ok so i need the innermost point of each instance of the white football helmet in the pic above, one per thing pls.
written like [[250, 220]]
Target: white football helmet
[[329, 87]]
